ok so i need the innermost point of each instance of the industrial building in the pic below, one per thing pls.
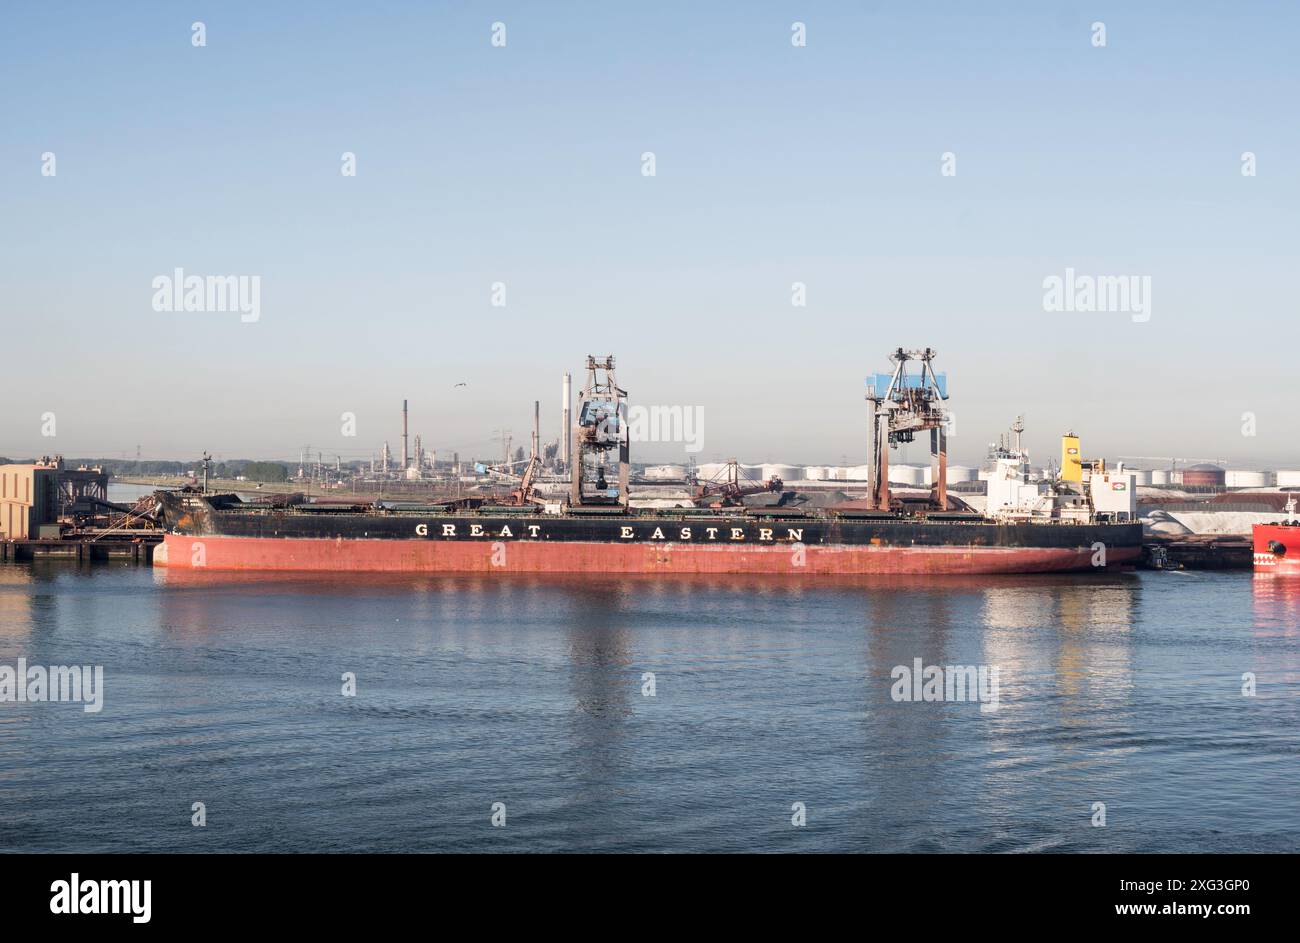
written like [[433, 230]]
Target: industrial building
[[34, 497], [29, 501]]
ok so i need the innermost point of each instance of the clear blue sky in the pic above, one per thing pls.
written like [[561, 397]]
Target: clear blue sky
[[521, 164]]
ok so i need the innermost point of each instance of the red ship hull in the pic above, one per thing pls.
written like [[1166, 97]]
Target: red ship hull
[[1276, 548], [212, 552]]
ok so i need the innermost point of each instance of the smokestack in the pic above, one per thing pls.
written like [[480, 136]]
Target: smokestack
[[566, 424], [405, 454]]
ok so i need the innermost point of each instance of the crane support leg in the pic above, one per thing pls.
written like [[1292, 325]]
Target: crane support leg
[[624, 467], [939, 467], [881, 470]]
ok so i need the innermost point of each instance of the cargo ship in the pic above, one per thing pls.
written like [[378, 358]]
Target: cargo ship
[[224, 533], [1276, 546], [1085, 521]]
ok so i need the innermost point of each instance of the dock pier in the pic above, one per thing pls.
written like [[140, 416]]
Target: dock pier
[[136, 550]]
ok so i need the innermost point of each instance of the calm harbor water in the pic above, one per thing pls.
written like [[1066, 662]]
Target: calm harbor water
[[528, 691]]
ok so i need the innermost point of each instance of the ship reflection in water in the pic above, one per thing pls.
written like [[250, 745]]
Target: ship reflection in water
[[644, 714], [1277, 603]]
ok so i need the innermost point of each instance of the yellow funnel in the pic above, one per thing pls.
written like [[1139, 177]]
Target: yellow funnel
[[1071, 458]]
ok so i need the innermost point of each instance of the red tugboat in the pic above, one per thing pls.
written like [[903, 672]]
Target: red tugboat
[[1277, 545]]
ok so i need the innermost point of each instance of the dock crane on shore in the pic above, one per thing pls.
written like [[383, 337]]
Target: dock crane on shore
[[901, 405]]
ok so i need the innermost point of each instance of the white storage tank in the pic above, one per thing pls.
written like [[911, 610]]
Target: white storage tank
[[666, 472], [905, 475], [960, 473], [1141, 477], [712, 471], [784, 472], [750, 472], [1288, 479], [1244, 478], [1161, 476], [814, 472], [858, 473]]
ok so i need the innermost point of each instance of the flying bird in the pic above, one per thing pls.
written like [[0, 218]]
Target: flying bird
[[459, 384]]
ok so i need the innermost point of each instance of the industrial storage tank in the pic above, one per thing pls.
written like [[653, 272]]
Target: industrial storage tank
[[859, 473], [1141, 477], [1288, 479], [784, 472], [750, 472], [905, 475], [960, 473], [1244, 478], [1160, 477], [666, 472], [815, 472], [712, 471], [837, 473], [1204, 475]]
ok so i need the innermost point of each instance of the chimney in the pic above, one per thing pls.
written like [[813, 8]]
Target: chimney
[[566, 424], [405, 454]]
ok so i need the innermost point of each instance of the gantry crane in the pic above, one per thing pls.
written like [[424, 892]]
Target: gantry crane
[[599, 430], [901, 405]]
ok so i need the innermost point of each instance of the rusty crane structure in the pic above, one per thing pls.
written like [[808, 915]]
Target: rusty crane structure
[[903, 403], [727, 490], [600, 437]]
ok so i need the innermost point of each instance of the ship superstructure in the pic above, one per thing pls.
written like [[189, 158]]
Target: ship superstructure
[[1084, 491]]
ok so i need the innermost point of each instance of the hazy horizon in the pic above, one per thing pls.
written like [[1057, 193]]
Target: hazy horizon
[[775, 164]]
